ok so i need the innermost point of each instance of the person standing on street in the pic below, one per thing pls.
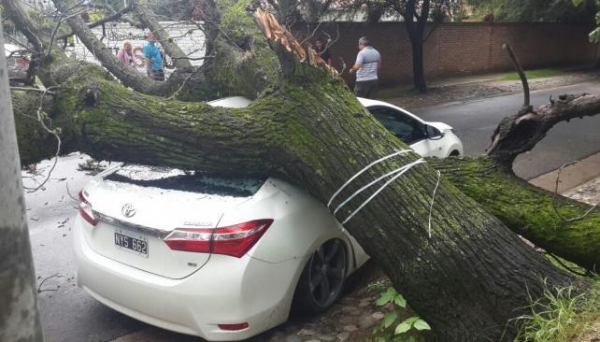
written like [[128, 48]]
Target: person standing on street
[[322, 50], [125, 54], [368, 63], [153, 59]]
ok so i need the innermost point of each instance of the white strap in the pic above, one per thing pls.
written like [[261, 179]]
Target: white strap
[[433, 200], [407, 167], [367, 186], [363, 170]]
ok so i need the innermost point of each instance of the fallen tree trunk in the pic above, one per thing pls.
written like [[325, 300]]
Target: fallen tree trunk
[[316, 135], [540, 216]]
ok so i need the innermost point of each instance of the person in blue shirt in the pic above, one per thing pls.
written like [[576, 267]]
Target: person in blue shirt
[[153, 59]]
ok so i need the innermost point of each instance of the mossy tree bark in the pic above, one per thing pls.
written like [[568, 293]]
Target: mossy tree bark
[[461, 268], [564, 227]]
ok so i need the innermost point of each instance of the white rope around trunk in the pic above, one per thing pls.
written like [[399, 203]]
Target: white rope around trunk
[[363, 170], [395, 173]]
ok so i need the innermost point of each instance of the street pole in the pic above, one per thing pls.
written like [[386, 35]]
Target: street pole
[[19, 315]]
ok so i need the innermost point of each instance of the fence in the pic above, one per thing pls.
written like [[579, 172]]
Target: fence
[[462, 48]]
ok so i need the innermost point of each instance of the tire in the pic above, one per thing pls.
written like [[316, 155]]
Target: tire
[[454, 153], [322, 280]]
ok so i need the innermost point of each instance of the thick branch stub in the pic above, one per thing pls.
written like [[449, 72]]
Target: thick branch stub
[[521, 132], [287, 46], [514, 135]]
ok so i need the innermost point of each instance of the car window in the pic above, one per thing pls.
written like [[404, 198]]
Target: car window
[[403, 126], [191, 181]]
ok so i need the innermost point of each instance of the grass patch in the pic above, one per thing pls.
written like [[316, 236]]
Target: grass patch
[[560, 316], [532, 74]]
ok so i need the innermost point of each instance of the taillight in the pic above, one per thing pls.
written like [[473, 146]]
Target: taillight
[[22, 62], [190, 240], [85, 210], [233, 240], [234, 327]]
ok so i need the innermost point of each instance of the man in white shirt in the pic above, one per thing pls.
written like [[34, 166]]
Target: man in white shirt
[[368, 63]]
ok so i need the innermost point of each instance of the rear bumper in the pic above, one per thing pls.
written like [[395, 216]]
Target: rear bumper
[[225, 291]]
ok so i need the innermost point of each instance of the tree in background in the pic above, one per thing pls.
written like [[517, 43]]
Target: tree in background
[[417, 17], [536, 10], [417, 14]]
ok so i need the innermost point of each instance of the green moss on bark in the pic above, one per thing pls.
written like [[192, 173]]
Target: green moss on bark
[[539, 215]]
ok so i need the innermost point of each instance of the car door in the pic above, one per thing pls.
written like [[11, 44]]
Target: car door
[[408, 129]]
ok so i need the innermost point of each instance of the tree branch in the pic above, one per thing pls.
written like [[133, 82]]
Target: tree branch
[[520, 133], [529, 211], [102, 21], [522, 76], [31, 30], [129, 76]]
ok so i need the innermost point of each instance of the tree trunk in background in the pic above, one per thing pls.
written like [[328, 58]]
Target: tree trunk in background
[[19, 317], [415, 27], [418, 67]]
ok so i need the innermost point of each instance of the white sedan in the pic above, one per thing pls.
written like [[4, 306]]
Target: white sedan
[[429, 139], [223, 259]]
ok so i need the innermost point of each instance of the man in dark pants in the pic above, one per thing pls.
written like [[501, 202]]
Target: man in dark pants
[[368, 63]]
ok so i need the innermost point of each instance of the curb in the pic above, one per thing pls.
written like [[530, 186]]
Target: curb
[[583, 175]]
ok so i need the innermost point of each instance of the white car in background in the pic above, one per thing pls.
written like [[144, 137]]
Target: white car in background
[[429, 139], [223, 259]]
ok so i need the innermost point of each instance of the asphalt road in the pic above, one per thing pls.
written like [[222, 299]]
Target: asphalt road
[[69, 314], [475, 122]]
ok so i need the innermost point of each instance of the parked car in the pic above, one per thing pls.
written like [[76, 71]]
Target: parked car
[[429, 139], [223, 259], [17, 62]]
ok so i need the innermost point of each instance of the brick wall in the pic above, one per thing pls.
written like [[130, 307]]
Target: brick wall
[[454, 49]]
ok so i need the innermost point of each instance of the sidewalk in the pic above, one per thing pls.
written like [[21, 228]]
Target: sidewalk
[[579, 181], [583, 70], [470, 87]]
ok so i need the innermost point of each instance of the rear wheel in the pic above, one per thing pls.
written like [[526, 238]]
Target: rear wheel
[[322, 279]]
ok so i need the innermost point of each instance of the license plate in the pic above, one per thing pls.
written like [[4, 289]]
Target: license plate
[[138, 246]]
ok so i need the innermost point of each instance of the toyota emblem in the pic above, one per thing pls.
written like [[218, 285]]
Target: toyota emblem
[[128, 210]]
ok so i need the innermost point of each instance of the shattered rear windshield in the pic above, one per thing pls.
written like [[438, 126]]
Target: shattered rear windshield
[[190, 181]]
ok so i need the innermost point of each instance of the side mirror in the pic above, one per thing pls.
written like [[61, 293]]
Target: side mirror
[[434, 133]]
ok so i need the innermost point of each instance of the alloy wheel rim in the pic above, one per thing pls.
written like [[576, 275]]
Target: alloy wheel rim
[[327, 272]]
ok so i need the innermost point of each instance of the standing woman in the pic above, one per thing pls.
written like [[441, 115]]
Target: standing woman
[[125, 54]]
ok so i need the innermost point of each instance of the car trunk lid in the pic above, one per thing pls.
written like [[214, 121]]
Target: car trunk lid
[[138, 206]]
